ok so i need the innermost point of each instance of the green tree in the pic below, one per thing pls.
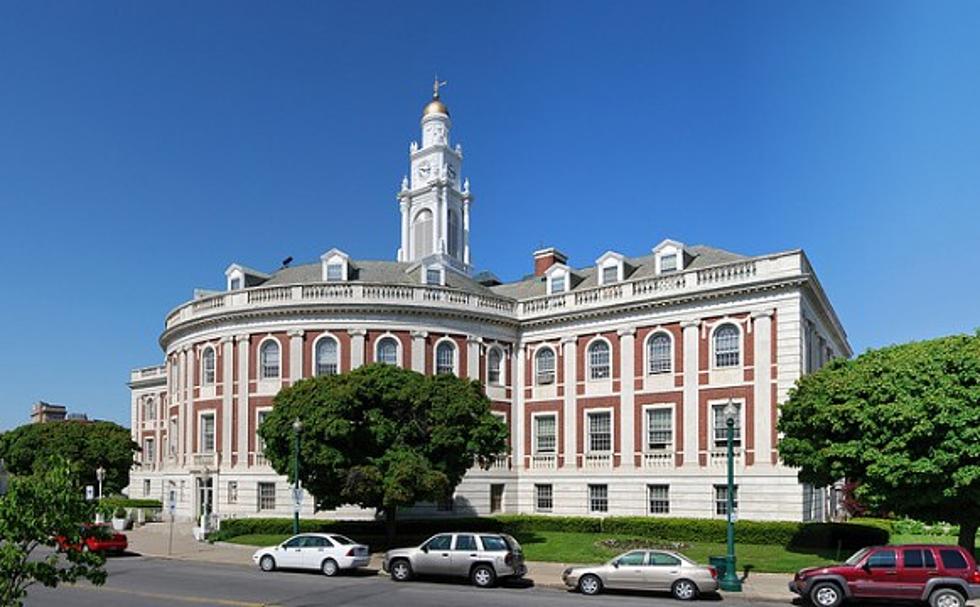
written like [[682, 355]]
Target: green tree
[[903, 422], [35, 510], [86, 445], [383, 437]]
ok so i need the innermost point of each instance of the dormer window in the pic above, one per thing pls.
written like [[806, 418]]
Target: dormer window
[[610, 268], [335, 266], [669, 256], [434, 275], [557, 284], [235, 284], [558, 279], [240, 277]]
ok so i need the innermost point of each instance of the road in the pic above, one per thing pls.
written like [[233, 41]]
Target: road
[[136, 581]]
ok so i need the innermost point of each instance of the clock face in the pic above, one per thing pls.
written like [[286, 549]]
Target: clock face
[[424, 169]]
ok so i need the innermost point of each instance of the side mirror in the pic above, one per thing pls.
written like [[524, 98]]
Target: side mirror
[[616, 563], [425, 549], [866, 567]]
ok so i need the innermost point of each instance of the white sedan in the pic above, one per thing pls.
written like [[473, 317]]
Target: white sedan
[[327, 552]]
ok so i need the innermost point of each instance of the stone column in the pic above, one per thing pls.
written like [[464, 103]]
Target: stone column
[[405, 253], [295, 355], [161, 411], [569, 355], [690, 428], [418, 350], [356, 347], [243, 381], [627, 406], [466, 231], [517, 427], [762, 387], [473, 346], [227, 394], [185, 406]]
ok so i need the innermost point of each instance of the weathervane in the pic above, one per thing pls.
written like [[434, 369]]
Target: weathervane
[[435, 86]]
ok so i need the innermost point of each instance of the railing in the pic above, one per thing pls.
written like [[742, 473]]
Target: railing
[[501, 462], [718, 458], [544, 461], [148, 372], [658, 459], [773, 267], [598, 460], [258, 459]]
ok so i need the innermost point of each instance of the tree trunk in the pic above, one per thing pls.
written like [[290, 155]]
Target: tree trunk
[[390, 514], [968, 534]]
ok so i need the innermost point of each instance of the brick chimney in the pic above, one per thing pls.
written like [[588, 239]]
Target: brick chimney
[[545, 258]]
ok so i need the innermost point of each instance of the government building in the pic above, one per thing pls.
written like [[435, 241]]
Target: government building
[[613, 374]]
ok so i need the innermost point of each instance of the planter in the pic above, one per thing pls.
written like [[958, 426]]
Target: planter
[[119, 524]]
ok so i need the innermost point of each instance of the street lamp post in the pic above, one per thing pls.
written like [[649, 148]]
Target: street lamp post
[[297, 428], [100, 476], [729, 581]]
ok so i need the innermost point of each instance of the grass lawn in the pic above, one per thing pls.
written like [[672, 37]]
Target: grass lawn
[[559, 547]]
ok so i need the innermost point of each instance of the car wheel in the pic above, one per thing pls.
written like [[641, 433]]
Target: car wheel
[[483, 576], [590, 584], [946, 597], [267, 563], [684, 590], [826, 594], [329, 567], [401, 570]]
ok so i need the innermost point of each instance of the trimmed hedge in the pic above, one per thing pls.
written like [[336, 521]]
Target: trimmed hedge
[[780, 533], [125, 502]]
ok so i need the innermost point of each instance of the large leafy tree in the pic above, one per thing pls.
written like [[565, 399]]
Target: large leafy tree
[[86, 445], [383, 437], [903, 422], [35, 510]]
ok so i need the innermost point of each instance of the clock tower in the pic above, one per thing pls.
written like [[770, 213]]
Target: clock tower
[[434, 202]]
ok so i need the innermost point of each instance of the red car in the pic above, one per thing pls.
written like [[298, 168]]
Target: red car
[[945, 576], [99, 538]]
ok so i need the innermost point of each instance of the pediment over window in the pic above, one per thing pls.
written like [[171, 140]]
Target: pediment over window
[[610, 268], [669, 256], [241, 277], [335, 266]]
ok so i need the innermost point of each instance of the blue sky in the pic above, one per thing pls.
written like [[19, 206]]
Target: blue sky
[[145, 146]]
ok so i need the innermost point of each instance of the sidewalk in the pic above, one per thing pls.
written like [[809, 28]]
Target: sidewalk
[[153, 540]]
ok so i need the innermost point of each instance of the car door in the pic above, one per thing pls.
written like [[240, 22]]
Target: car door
[[288, 553], [434, 556], [917, 566], [464, 553], [661, 571], [879, 575], [628, 571], [314, 551]]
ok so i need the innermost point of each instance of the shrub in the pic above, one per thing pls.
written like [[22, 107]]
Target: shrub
[[120, 512], [114, 502]]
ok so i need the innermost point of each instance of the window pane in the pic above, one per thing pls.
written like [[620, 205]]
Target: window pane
[[726, 346], [668, 263], [545, 366], [445, 358], [912, 559], [600, 431], [883, 559], [387, 351], [543, 498], [633, 559], [721, 499], [659, 497], [267, 496], [465, 542], [270, 360], [335, 271], [558, 283], [598, 498], [663, 560], [545, 433], [659, 428], [493, 543], [493, 366], [721, 426], [610, 274], [208, 365], [326, 357], [952, 559], [440, 542], [658, 354], [207, 433], [599, 360]]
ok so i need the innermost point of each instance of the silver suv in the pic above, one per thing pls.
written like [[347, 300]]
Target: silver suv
[[484, 558]]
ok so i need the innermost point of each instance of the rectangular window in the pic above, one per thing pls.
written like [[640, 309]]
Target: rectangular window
[[335, 271], [610, 274], [146, 487], [600, 431], [557, 284], [659, 499], [207, 433], [259, 443], [545, 430], [172, 436], [952, 559], [883, 559], [721, 426], [236, 284], [918, 559], [668, 263], [660, 427], [267, 496], [232, 492], [149, 451], [543, 498], [433, 276], [721, 499], [496, 498], [598, 498]]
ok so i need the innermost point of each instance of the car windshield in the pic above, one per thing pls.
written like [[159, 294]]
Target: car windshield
[[343, 541], [857, 556]]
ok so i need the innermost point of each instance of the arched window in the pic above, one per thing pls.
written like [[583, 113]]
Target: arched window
[[544, 367], [422, 231], [445, 358], [326, 356], [599, 360], [269, 359], [453, 230], [727, 351], [494, 359], [658, 354], [207, 366], [387, 351], [149, 409]]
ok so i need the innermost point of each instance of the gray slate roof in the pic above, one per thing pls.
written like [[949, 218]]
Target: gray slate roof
[[409, 273]]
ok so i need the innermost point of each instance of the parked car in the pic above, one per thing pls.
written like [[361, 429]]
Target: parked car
[[328, 552], [945, 576], [99, 538], [484, 558], [654, 570]]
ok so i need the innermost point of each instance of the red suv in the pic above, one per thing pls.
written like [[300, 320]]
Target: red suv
[[945, 576]]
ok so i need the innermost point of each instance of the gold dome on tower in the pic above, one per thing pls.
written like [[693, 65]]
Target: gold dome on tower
[[436, 106]]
